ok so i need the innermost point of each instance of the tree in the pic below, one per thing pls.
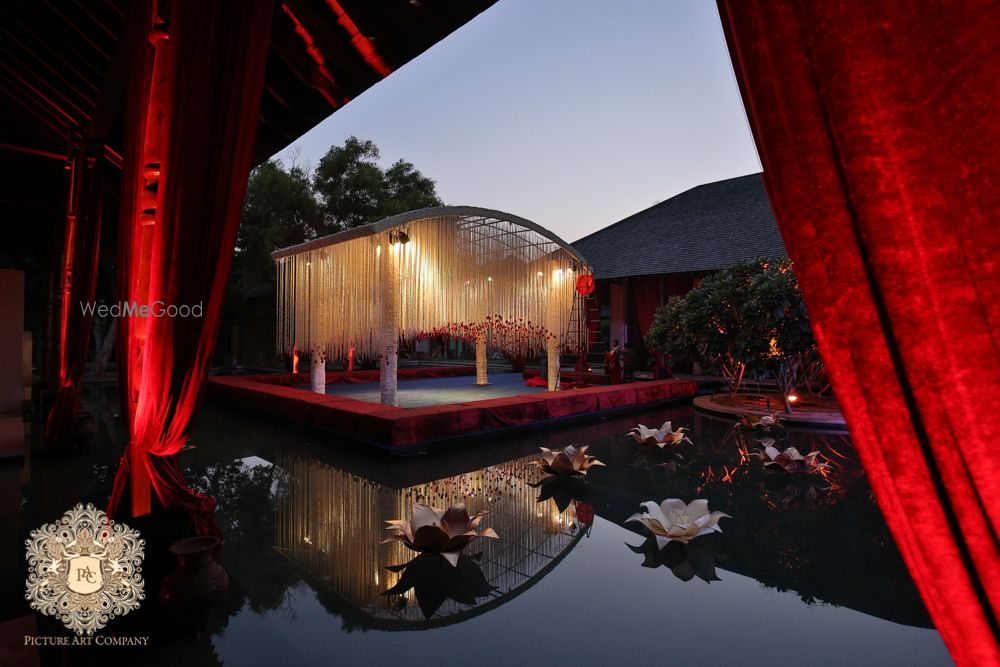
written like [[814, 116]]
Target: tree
[[748, 318], [355, 190], [279, 210]]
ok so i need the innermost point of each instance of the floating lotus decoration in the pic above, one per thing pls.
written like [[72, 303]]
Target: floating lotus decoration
[[789, 460], [685, 561], [562, 490], [761, 421], [433, 582], [431, 530], [673, 520], [661, 437], [567, 461]]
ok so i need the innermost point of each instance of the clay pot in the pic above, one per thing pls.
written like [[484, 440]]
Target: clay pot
[[197, 582]]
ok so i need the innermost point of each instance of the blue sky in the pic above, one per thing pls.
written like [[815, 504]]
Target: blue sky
[[571, 113]]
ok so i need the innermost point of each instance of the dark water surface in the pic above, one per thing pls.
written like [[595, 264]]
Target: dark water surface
[[802, 574]]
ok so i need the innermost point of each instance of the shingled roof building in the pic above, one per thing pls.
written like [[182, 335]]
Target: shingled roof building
[[641, 261]]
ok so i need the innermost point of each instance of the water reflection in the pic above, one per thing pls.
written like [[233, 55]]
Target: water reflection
[[819, 535], [331, 524], [685, 561]]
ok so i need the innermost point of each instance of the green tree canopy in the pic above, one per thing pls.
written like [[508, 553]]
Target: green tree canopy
[[279, 210], [355, 190], [750, 315]]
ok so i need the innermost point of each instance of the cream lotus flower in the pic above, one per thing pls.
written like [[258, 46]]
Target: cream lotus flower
[[431, 530], [567, 461], [673, 520], [789, 460], [661, 437], [761, 421]]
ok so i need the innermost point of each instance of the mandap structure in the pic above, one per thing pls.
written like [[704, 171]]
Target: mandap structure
[[470, 273]]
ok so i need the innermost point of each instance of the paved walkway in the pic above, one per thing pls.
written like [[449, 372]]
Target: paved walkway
[[438, 391]]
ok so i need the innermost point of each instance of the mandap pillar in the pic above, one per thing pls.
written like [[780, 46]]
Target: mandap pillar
[[481, 370], [317, 371], [389, 335]]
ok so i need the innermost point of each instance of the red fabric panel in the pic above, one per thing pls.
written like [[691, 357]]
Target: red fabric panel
[[81, 252], [513, 411], [879, 141], [199, 123], [646, 292], [434, 422], [562, 404], [613, 398]]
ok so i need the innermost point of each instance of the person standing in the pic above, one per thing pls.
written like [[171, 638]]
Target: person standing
[[628, 363], [613, 361]]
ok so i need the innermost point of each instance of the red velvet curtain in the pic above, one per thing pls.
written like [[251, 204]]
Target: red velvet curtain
[[192, 119], [877, 125], [81, 251]]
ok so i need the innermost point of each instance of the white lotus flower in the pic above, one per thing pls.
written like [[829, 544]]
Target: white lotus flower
[[661, 437], [789, 460], [673, 520]]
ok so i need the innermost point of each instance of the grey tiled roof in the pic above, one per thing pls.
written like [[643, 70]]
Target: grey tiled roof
[[707, 227]]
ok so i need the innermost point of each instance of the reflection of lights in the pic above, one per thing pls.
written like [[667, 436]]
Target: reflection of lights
[[307, 539], [378, 250], [489, 278], [540, 274]]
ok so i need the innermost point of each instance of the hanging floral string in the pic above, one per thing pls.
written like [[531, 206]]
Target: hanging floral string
[[456, 276]]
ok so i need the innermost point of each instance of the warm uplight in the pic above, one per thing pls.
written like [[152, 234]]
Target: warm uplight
[[489, 278], [792, 398], [378, 251], [540, 274]]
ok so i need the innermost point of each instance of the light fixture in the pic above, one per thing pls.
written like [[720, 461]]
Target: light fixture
[[792, 398], [398, 236], [489, 278]]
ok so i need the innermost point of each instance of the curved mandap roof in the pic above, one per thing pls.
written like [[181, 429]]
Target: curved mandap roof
[[473, 215], [708, 227]]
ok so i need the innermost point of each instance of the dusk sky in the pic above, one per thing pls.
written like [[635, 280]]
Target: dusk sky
[[571, 113]]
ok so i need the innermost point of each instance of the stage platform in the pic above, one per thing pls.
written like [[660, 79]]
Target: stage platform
[[402, 428]]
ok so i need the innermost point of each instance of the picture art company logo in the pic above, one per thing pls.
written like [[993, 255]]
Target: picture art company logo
[[84, 569], [134, 309]]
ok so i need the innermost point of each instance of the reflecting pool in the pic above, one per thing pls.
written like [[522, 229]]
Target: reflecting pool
[[804, 571]]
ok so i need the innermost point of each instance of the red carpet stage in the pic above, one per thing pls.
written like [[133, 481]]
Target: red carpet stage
[[398, 427]]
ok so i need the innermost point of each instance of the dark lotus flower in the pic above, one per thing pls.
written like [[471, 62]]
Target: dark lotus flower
[[562, 490], [431, 530], [433, 581], [685, 561], [567, 461]]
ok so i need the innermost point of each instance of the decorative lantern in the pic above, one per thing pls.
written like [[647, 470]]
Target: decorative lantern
[[585, 284]]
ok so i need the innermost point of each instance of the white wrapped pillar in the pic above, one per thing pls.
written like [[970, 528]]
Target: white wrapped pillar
[[389, 335], [318, 371], [552, 357], [481, 370]]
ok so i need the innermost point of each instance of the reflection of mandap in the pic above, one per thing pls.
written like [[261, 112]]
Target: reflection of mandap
[[331, 523]]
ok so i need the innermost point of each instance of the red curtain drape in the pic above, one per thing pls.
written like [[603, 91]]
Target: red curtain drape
[[79, 275], [195, 89], [877, 126]]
